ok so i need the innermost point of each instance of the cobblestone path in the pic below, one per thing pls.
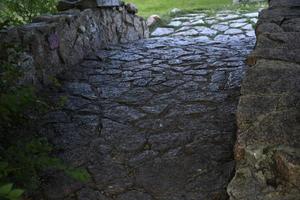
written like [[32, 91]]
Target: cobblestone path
[[155, 119]]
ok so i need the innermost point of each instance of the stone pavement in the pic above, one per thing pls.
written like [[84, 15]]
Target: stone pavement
[[154, 119]]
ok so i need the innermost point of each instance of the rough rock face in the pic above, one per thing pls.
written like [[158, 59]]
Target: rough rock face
[[153, 119], [54, 43], [268, 141]]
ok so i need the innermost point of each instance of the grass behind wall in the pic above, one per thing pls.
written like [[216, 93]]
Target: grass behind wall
[[163, 7]]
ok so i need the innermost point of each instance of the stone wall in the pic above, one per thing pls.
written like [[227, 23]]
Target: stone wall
[[267, 148], [52, 43]]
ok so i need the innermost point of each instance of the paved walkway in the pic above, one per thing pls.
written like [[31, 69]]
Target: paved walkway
[[154, 120]]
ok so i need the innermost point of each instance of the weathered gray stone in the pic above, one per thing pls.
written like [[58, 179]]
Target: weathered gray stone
[[197, 22], [56, 42], [152, 20], [233, 31], [175, 11], [237, 25], [154, 119], [131, 8], [247, 27], [220, 27], [250, 33], [267, 147], [205, 31], [250, 15], [80, 89], [190, 32], [175, 23], [162, 31]]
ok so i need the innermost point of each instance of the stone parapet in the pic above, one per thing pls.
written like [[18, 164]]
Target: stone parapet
[[52, 43]]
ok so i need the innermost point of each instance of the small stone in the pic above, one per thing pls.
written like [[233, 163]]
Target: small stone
[[53, 41], [131, 8], [81, 29], [175, 11]]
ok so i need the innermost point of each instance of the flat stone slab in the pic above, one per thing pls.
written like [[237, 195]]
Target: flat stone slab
[[233, 31], [190, 32], [203, 24], [250, 33], [205, 31], [220, 27], [175, 23], [227, 16], [162, 31], [248, 27], [255, 14], [237, 25], [199, 21]]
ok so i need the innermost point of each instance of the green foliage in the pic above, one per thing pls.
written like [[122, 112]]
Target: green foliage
[[14, 12], [24, 156], [8, 192], [14, 100], [23, 162], [163, 7], [62, 101]]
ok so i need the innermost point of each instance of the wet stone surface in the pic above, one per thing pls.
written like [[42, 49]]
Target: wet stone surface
[[214, 26], [154, 119]]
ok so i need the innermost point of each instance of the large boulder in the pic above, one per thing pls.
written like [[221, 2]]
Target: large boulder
[[267, 150]]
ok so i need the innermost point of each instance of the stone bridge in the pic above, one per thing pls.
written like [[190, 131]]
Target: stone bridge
[[155, 119]]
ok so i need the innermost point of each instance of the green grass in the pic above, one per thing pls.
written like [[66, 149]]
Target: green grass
[[163, 7]]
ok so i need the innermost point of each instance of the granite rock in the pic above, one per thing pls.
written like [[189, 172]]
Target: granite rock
[[267, 148]]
